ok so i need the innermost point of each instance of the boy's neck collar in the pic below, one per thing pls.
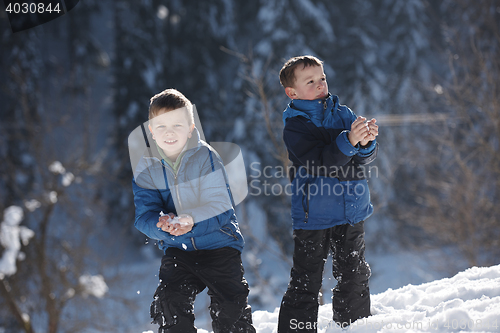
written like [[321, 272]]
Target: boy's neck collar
[[312, 105], [168, 159]]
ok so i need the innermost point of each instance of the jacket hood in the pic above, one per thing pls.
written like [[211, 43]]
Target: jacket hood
[[311, 109]]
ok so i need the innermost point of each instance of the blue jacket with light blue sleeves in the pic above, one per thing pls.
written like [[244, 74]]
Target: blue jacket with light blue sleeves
[[328, 175], [199, 188]]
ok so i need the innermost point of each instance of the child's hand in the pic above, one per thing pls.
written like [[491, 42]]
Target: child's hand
[[164, 221], [182, 225], [372, 132], [176, 226], [359, 130]]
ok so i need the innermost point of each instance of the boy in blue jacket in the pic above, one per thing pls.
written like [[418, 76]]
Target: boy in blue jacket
[[329, 147], [182, 199]]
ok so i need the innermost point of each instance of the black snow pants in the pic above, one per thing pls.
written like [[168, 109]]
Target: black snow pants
[[351, 296], [184, 274]]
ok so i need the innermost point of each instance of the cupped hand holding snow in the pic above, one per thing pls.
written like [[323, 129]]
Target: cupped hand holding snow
[[175, 225]]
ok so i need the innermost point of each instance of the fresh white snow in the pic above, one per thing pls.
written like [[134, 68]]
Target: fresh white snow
[[93, 285], [11, 237], [467, 302], [67, 177]]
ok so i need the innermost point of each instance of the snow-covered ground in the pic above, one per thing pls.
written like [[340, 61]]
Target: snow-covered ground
[[408, 293], [467, 302]]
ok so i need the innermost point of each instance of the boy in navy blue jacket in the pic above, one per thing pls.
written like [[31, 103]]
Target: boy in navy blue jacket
[[329, 147], [182, 199]]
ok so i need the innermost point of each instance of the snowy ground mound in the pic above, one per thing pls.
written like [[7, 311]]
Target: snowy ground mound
[[469, 301]]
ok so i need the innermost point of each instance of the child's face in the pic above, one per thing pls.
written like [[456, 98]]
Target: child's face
[[171, 130], [310, 83]]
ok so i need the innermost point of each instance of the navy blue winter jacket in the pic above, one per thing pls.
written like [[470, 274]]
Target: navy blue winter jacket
[[199, 188], [328, 175]]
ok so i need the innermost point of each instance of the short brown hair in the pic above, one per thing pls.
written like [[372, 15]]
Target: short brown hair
[[287, 72], [170, 100]]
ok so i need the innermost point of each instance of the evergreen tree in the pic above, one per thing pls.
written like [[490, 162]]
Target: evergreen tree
[[51, 161], [455, 199]]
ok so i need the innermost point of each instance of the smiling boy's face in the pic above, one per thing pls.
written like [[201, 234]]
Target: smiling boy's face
[[171, 130], [310, 83]]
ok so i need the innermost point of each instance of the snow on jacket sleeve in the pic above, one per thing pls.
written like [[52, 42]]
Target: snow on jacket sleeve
[[310, 149]]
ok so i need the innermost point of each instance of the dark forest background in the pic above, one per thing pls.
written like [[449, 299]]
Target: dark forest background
[[72, 90]]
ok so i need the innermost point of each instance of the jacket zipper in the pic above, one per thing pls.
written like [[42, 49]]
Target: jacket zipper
[[325, 105], [176, 185], [194, 245], [307, 204]]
